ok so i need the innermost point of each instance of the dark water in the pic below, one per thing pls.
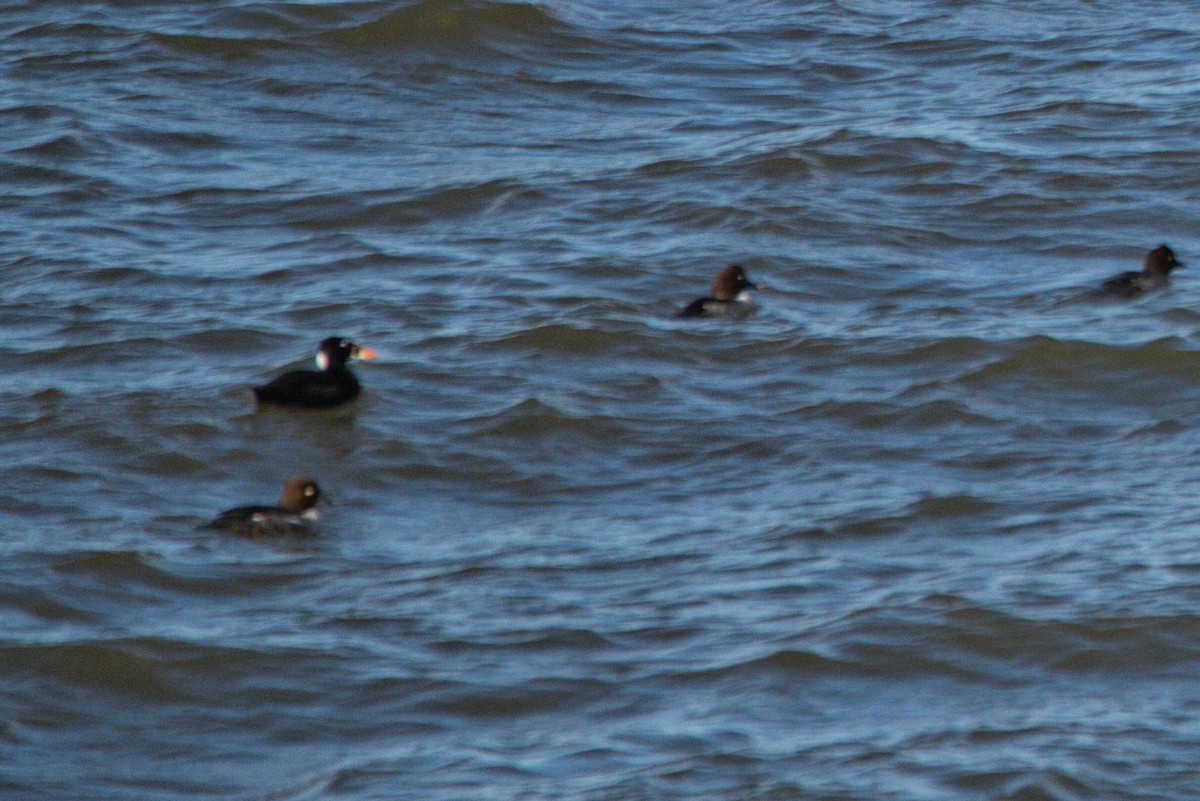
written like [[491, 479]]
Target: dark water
[[925, 527]]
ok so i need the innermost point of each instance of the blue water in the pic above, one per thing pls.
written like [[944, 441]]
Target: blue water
[[920, 528]]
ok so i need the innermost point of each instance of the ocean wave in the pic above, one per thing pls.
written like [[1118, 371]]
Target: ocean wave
[[452, 23], [534, 419], [531, 697]]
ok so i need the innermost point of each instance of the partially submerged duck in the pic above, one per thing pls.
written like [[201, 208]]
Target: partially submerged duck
[[295, 514], [730, 296], [1154, 275], [332, 384]]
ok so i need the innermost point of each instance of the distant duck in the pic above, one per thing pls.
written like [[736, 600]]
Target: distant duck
[[331, 385], [1159, 264], [730, 296], [294, 516]]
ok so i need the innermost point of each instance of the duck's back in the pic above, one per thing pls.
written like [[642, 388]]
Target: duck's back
[[1131, 284], [310, 389], [697, 308], [261, 521], [715, 307]]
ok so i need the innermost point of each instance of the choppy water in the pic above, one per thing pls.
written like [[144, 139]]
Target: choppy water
[[925, 527]]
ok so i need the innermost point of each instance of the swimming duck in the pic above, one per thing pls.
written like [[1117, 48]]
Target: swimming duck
[[730, 296], [1159, 264], [332, 384], [294, 515]]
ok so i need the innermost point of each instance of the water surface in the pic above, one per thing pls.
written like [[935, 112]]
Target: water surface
[[921, 528]]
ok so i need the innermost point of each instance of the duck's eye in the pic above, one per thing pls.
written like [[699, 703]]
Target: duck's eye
[[309, 491]]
